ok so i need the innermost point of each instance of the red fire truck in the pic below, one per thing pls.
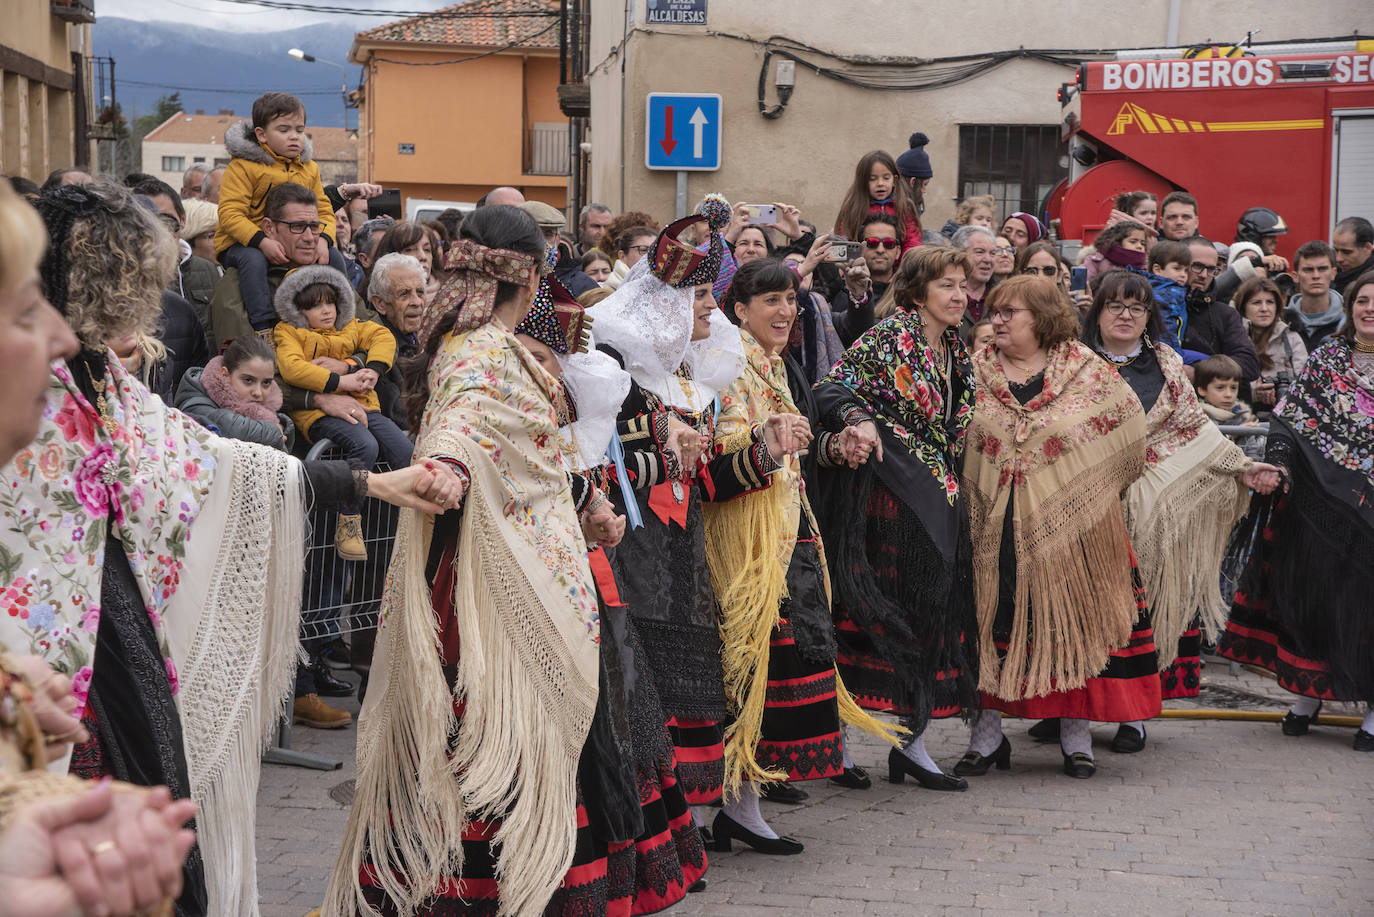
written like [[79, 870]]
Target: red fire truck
[[1289, 131]]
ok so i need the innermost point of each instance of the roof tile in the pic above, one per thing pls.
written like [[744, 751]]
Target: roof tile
[[330, 143], [504, 26]]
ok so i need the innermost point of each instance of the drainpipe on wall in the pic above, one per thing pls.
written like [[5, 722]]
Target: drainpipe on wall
[[629, 16], [1171, 39]]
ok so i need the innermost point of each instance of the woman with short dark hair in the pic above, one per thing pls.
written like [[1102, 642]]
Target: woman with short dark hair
[[1057, 437]]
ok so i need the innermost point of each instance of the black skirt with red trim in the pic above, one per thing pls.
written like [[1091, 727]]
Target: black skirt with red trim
[[868, 674], [1128, 689], [1183, 677], [801, 721], [699, 750], [1254, 637]]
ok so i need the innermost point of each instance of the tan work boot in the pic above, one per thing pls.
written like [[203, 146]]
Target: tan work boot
[[309, 710], [348, 537]]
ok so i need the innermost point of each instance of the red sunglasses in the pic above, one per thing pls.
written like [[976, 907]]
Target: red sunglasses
[[875, 243]]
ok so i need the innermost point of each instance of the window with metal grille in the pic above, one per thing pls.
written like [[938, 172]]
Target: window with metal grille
[[1018, 164], [173, 163]]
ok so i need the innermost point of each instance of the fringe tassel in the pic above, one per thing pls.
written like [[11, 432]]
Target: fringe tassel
[[749, 573], [1180, 540], [854, 715], [225, 773], [407, 812]]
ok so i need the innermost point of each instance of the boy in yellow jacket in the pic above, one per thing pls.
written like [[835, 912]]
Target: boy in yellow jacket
[[315, 340], [269, 151]]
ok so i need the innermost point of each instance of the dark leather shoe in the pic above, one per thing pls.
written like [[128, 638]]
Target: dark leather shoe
[[1363, 741], [973, 764], [326, 685], [785, 793], [1079, 765], [853, 778], [1127, 741], [899, 765], [335, 654], [1295, 724], [725, 829], [698, 886], [1045, 730]]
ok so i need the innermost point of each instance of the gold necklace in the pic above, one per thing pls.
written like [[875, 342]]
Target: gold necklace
[[101, 404], [1362, 347]]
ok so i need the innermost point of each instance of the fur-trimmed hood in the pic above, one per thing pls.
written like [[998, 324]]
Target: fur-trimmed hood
[[302, 277], [242, 143]]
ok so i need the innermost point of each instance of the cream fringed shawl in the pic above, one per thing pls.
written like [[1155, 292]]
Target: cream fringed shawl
[[749, 544], [214, 532], [527, 619], [1181, 511], [1069, 453]]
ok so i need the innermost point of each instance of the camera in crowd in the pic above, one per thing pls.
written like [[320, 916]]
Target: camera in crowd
[[1282, 381], [842, 251]]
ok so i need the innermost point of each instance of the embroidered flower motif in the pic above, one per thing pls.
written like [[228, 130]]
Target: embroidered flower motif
[[75, 423], [95, 493], [1054, 447], [990, 446], [81, 685], [172, 678]]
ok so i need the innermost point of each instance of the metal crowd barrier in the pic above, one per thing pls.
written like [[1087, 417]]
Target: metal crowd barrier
[[339, 596]]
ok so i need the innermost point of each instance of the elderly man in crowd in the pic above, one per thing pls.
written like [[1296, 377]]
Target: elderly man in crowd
[[193, 182], [978, 242]]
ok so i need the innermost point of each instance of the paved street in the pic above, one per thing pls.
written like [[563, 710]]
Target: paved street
[[1212, 818]]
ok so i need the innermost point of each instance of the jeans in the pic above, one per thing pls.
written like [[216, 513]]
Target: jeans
[[364, 445], [253, 289]]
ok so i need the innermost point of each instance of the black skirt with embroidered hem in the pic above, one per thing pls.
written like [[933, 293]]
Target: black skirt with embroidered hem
[[1183, 677], [924, 690]]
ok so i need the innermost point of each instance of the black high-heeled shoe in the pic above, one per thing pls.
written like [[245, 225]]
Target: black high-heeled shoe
[[785, 793], [973, 764], [853, 778], [1079, 765], [1295, 724], [725, 828], [1045, 730], [899, 765]]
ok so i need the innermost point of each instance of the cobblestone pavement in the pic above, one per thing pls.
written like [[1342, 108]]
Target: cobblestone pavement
[[1211, 818]]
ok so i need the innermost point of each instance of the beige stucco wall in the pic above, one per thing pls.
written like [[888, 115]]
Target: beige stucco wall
[[807, 156], [37, 126]]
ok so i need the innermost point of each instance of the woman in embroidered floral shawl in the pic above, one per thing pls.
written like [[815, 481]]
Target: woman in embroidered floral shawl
[[1303, 607], [158, 564], [1057, 438], [1195, 488], [467, 756], [896, 529], [768, 568]]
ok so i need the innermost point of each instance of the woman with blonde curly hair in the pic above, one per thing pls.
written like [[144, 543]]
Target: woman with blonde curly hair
[[181, 553]]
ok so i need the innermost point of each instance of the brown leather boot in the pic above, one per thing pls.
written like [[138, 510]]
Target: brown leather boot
[[309, 710]]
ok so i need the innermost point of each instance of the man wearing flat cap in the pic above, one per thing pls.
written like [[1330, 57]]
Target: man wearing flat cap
[[567, 269]]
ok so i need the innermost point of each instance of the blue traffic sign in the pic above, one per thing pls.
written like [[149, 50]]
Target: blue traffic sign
[[682, 132]]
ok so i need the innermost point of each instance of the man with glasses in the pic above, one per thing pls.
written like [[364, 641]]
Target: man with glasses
[[1213, 326], [981, 246], [290, 231], [866, 278]]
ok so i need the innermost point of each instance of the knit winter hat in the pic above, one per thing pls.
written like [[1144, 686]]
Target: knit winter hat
[[1035, 230], [915, 162]]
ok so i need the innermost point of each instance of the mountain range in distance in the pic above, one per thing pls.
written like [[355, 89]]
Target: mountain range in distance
[[218, 69]]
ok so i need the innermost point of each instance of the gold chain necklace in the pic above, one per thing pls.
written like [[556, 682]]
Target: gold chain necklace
[[101, 404], [1362, 347]]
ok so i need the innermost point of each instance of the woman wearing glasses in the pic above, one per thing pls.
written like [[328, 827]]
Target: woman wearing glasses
[[1057, 436], [1195, 487], [1003, 260], [896, 528]]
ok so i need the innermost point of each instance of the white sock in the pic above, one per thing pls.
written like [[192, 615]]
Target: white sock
[[986, 735], [1306, 706], [702, 815], [916, 751], [1137, 725], [845, 760], [1368, 724], [744, 809], [1075, 736]]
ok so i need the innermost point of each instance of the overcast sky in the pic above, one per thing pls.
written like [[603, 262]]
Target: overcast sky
[[243, 18]]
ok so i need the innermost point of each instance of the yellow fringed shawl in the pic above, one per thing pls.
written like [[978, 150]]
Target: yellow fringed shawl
[[749, 544], [1069, 453]]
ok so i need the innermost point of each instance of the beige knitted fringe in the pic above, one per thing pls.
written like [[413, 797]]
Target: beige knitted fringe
[[1180, 540]]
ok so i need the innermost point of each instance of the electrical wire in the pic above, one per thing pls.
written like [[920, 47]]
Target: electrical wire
[[303, 92], [457, 13]]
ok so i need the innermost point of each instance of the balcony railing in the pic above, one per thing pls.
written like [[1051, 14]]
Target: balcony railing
[[74, 10], [548, 146]]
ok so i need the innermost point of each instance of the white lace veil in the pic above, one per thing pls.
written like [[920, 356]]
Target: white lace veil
[[597, 386], [649, 323]]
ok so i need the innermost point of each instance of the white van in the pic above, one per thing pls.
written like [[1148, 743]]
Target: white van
[[419, 209]]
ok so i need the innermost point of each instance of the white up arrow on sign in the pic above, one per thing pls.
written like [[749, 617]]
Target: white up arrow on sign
[[698, 122]]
